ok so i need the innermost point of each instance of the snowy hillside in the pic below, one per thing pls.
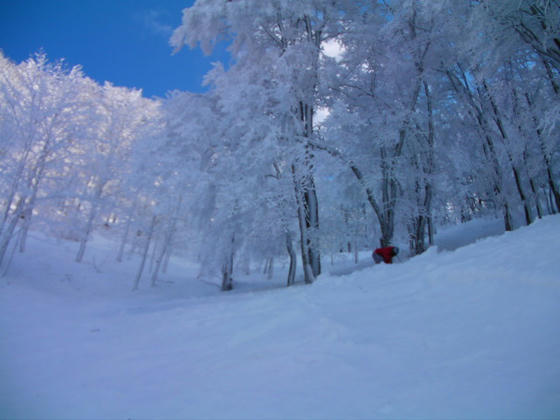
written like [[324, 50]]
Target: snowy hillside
[[471, 332]]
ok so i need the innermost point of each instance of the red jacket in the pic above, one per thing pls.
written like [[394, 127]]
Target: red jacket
[[387, 254]]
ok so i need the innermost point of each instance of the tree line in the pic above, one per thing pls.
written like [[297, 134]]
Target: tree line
[[337, 126]]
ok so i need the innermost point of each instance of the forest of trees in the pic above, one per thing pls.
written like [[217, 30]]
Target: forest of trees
[[337, 126]]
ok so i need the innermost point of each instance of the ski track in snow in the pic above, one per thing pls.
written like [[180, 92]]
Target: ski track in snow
[[458, 332]]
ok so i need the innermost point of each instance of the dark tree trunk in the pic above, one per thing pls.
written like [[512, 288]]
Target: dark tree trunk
[[309, 277], [227, 268], [145, 253], [311, 209], [293, 260]]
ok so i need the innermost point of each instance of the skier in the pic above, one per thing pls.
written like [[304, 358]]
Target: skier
[[385, 254]]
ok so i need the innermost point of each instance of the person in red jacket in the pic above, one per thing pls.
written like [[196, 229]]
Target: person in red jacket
[[385, 254]]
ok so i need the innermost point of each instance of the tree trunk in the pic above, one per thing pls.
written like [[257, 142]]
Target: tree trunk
[[311, 210], [524, 200], [550, 76], [8, 233], [507, 218], [268, 267], [424, 184], [308, 274], [552, 209], [535, 192], [124, 239], [159, 259], [166, 249], [85, 237], [227, 268], [430, 231], [309, 193], [145, 253], [270, 270], [17, 179], [25, 228], [293, 259], [555, 192], [166, 260], [34, 184], [153, 256], [227, 278]]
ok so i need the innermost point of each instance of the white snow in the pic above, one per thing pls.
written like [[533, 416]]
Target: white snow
[[458, 332]]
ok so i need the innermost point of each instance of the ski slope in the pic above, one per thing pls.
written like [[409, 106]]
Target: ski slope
[[466, 331]]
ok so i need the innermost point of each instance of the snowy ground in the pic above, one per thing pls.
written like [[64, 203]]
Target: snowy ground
[[459, 332]]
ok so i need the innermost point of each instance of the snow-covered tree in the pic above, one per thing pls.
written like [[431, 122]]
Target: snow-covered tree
[[45, 113], [123, 116], [278, 43]]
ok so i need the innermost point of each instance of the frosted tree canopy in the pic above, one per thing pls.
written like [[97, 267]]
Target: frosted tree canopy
[[337, 126]]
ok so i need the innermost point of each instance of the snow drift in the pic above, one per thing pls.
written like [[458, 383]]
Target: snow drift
[[468, 333]]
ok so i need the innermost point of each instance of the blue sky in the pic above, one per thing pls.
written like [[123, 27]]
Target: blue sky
[[123, 41]]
